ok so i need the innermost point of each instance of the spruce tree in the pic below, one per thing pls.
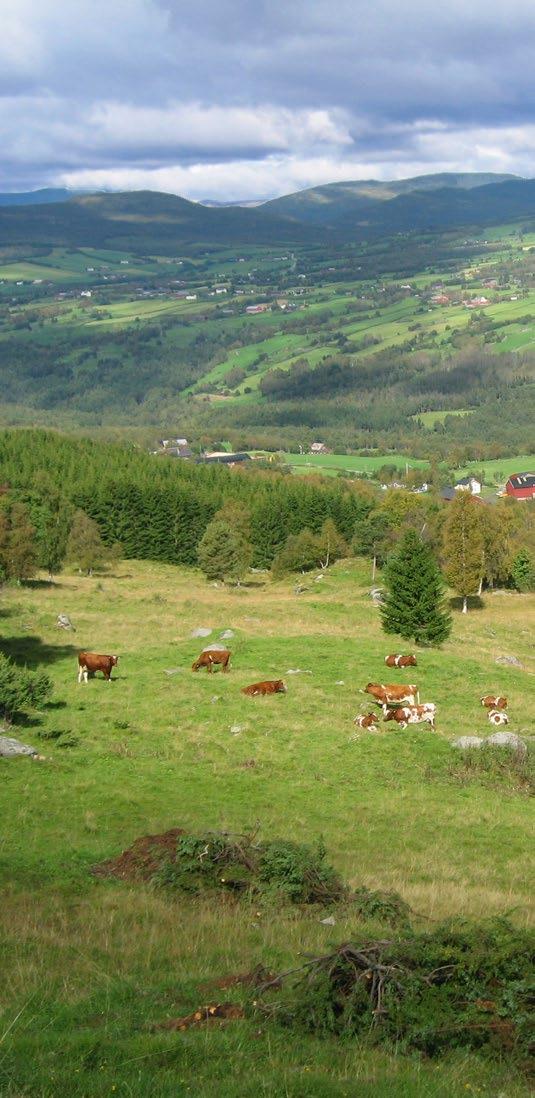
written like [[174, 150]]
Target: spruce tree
[[464, 546], [223, 552], [523, 571], [414, 603]]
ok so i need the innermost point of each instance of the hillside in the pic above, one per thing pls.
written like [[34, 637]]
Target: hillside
[[252, 326], [335, 203], [149, 221], [91, 965]]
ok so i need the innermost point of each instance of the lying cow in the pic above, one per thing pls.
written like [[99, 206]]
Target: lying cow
[[497, 716], [211, 656], [411, 714], [400, 661], [271, 686], [90, 662], [391, 694], [494, 701], [369, 721]]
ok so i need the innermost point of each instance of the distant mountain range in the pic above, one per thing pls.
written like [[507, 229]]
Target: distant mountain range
[[146, 220]]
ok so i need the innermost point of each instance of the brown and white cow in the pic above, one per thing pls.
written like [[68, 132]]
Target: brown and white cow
[[369, 721], [211, 656], [270, 686], [400, 661], [392, 694], [411, 714], [494, 701], [497, 716], [90, 662]]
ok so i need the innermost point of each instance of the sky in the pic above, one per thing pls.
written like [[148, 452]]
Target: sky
[[231, 100]]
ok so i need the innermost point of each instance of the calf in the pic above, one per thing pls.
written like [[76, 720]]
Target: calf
[[400, 661], [90, 662], [393, 695], [497, 716], [273, 686], [411, 714], [211, 656], [369, 721], [494, 701]]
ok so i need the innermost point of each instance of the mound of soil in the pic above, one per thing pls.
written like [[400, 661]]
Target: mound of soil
[[143, 859]]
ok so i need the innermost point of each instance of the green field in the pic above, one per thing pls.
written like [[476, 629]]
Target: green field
[[331, 464], [89, 965]]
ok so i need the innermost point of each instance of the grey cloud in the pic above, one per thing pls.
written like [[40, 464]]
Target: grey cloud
[[106, 84]]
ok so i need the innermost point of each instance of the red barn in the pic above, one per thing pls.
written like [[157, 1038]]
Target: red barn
[[521, 486]]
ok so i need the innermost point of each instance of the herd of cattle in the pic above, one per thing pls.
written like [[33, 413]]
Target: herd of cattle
[[399, 703]]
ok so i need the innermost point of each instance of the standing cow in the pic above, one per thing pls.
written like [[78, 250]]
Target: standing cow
[[211, 656], [91, 662], [392, 694]]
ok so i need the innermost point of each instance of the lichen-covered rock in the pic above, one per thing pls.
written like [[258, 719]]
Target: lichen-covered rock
[[9, 748], [465, 742], [507, 739], [509, 660], [201, 631]]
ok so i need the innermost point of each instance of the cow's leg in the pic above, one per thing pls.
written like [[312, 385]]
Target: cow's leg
[[80, 673], [86, 675], [209, 668]]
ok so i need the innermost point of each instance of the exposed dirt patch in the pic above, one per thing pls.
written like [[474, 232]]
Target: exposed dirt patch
[[143, 859]]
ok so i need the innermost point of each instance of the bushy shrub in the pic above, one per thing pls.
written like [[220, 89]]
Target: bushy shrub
[[21, 689], [295, 871]]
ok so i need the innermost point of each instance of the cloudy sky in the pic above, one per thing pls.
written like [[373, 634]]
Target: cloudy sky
[[235, 99]]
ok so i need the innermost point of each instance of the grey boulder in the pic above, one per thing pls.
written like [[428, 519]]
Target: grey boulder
[[507, 739], [9, 748], [465, 742], [201, 631]]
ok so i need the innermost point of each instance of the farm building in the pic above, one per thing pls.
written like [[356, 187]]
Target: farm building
[[469, 484], [521, 486], [319, 448], [222, 458]]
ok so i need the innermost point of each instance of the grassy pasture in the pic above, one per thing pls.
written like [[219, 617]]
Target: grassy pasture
[[87, 965], [331, 464]]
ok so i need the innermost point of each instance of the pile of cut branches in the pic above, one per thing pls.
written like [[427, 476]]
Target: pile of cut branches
[[460, 985]]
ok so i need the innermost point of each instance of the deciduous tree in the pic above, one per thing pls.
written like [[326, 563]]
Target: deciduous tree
[[463, 546]]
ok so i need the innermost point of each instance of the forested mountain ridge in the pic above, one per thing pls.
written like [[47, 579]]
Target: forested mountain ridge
[[149, 220]]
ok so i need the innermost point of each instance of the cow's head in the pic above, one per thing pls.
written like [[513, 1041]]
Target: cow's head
[[114, 660], [280, 687]]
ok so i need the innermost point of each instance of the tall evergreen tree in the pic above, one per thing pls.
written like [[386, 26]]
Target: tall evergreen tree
[[464, 546], [523, 571], [223, 552], [414, 604]]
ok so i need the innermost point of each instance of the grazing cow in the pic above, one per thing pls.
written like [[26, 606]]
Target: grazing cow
[[392, 694], [90, 662], [211, 656], [369, 721], [400, 661], [494, 701], [497, 716], [273, 686], [411, 714]]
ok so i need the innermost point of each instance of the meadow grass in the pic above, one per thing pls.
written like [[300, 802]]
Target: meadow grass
[[89, 964]]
